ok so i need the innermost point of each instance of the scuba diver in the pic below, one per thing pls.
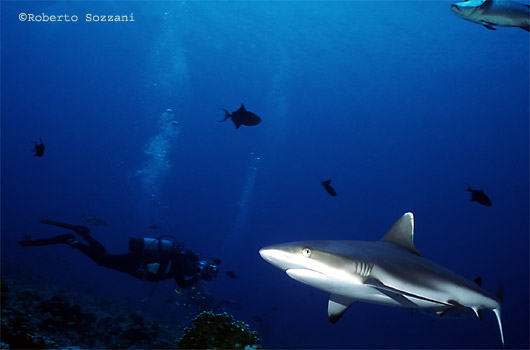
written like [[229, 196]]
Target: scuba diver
[[151, 259]]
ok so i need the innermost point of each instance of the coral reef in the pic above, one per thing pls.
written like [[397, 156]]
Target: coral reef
[[213, 331], [47, 318], [51, 318]]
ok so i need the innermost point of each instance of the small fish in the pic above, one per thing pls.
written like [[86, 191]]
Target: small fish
[[274, 308], [179, 292], [231, 274], [95, 220], [328, 187], [154, 227], [38, 149], [257, 319], [242, 117], [479, 196]]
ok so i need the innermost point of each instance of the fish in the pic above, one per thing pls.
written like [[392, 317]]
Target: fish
[[479, 196], [257, 319], [95, 220], [241, 117], [38, 149], [490, 13], [154, 227], [389, 272], [231, 274], [328, 188]]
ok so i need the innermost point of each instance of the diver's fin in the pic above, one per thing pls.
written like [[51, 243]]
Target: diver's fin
[[80, 230], [227, 115], [66, 239], [337, 306]]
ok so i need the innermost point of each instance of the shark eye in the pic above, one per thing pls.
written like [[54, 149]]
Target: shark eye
[[306, 252]]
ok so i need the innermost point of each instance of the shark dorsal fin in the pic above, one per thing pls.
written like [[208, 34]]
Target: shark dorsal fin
[[402, 233]]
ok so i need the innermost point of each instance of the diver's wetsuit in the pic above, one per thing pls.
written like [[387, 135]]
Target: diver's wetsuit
[[179, 264]]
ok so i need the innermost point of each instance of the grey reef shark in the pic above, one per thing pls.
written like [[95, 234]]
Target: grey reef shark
[[492, 13], [388, 272]]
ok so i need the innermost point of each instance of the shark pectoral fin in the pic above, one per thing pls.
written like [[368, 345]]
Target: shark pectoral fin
[[400, 295], [490, 27], [337, 306]]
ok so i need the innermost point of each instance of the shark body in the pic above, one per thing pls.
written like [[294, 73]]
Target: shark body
[[492, 13], [389, 272]]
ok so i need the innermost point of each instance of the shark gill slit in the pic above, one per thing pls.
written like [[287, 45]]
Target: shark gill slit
[[363, 269]]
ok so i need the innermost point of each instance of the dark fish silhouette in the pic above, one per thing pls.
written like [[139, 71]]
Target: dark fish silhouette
[[96, 220], [257, 319], [39, 148], [154, 227], [242, 117], [274, 308], [231, 274], [328, 187], [479, 196]]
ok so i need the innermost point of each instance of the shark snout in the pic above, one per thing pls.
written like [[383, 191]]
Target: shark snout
[[280, 256], [274, 256]]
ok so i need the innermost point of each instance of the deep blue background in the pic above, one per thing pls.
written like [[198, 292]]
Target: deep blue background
[[400, 103]]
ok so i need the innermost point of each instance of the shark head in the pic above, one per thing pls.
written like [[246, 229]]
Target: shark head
[[313, 263], [467, 9]]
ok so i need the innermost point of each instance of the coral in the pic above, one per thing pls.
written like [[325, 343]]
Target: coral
[[45, 318], [220, 331]]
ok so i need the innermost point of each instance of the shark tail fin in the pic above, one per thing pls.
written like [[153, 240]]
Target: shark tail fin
[[500, 292], [497, 312], [227, 115]]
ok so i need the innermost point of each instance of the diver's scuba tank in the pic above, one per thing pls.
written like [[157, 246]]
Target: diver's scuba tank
[[156, 255]]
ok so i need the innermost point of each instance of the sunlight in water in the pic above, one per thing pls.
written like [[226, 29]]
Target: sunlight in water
[[157, 164], [243, 205]]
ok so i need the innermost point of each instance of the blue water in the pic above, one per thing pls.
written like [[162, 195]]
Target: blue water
[[399, 103]]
